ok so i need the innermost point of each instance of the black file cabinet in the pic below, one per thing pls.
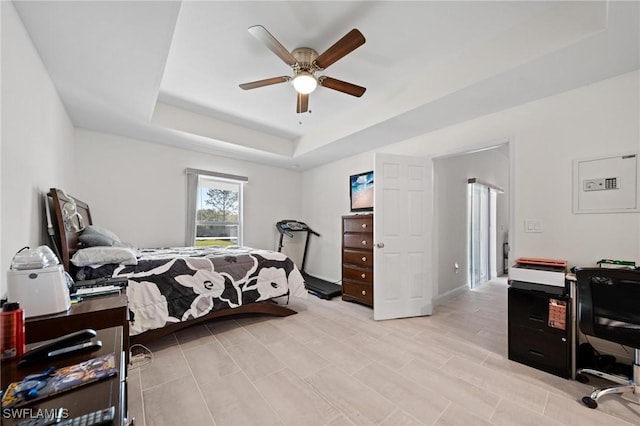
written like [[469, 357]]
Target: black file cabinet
[[539, 330]]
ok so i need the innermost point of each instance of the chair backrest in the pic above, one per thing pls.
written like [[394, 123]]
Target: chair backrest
[[609, 304]]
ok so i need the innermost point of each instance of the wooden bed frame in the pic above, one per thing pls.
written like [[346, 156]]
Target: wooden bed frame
[[68, 229]]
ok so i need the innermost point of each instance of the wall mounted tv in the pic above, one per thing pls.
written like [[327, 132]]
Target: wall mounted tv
[[361, 192]]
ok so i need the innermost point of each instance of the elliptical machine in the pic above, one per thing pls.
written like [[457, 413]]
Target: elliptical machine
[[316, 286]]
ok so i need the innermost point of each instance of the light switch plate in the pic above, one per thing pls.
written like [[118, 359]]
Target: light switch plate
[[532, 226]]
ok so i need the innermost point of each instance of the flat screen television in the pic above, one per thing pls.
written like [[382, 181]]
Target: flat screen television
[[361, 192]]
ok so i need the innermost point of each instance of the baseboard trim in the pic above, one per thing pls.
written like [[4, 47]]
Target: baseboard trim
[[450, 294]]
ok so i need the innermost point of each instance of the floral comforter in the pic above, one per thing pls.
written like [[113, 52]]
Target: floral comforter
[[176, 284]]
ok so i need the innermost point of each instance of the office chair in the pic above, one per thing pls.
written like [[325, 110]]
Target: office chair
[[609, 308]]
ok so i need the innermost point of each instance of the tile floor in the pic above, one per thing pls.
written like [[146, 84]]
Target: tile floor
[[331, 364]]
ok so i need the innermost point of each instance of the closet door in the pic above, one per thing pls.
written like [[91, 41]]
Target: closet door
[[402, 285]]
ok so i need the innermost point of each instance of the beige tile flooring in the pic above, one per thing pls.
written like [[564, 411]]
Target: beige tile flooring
[[331, 364]]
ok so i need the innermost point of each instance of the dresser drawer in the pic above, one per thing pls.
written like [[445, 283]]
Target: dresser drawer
[[363, 259], [359, 292], [532, 310], [359, 275], [361, 241], [360, 223], [539, 349]]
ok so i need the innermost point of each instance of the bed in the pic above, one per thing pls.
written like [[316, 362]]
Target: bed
[[172, 288]]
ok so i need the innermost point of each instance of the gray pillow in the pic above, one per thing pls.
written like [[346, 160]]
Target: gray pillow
[[94, 236], [94, 240]]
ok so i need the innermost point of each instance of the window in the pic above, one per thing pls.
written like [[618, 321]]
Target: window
[[214, 214], [482, 235]]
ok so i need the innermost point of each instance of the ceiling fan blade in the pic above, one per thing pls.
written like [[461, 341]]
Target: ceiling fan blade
[[347, 44], [261, 33], [302, 104], [265, 82], [341, 86]]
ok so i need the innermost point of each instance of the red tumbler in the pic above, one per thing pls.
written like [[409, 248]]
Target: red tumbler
[[12, 331]]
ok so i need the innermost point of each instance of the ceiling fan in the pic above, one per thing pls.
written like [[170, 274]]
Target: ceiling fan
[[305, 63]]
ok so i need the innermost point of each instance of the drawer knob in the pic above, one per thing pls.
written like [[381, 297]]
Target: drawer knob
[[363, 276], [364, 242], [364, 225], [364, 258], [364, 292]]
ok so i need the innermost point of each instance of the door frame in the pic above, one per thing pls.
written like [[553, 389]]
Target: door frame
[[512, 236]]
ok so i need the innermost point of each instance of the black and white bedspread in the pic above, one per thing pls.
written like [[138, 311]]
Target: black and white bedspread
[[176, 284]]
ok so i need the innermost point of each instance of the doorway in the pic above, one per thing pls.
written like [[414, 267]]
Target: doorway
[[489, 164]]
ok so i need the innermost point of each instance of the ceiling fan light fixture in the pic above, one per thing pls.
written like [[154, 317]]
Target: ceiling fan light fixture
[[305, 82], [305, 62]]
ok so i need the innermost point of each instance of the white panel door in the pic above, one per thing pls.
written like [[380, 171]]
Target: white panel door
[[402, 284]]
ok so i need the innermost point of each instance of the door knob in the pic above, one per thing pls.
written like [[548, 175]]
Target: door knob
[[380, 245]]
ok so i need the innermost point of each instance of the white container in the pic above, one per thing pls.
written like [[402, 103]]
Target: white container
[[39, 291], [538, 274]]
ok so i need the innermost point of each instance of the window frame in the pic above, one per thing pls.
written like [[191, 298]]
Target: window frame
[[193, 179]]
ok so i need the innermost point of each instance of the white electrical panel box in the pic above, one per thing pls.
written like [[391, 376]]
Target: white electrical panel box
[[606, 184]]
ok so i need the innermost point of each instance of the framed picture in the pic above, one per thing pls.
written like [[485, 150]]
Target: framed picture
[[361, 192]]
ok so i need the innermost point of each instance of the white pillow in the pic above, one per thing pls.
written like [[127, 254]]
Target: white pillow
[[104, 255]]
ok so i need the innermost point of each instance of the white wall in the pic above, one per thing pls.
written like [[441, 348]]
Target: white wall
[[547, 135], [37, 149], [325, 199], [450, 178], [137, 189]]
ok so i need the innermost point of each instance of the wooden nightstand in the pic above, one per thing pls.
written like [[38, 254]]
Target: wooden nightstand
[[81, 400], [93, 312]]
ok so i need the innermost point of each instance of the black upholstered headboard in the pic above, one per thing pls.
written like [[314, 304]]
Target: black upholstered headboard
[[70, 217]]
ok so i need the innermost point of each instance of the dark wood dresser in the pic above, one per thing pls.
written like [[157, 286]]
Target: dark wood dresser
[[357, 258]]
